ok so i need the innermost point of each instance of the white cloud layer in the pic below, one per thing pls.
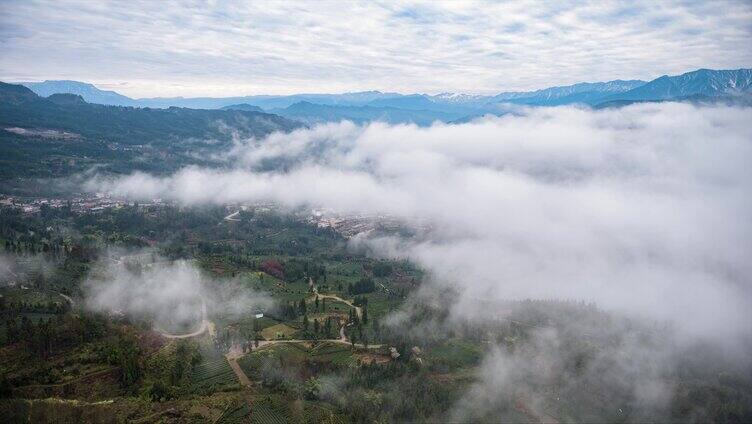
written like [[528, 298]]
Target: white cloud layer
[[643, 209], [146, 48], [172, 295]]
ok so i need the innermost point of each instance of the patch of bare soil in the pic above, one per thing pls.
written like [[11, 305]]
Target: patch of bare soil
[[368, 358]]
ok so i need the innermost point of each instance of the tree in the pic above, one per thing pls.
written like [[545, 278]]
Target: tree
[[365, 285], [126, 355], [178, 369], [365, 315], [328, 327], [158, 391], [382, 269], [305, 322], [6, 388], [312, 388], [273, 268]]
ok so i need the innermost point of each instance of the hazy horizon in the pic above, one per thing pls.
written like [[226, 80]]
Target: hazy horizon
[[383, 91]]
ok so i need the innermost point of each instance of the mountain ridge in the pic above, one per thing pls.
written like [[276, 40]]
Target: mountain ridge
[[702, 82], [312, 113], [365, 106], [87, 91], [61, 135], [21, 107]]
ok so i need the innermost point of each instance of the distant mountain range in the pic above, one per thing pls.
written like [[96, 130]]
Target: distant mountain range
[[316, 113], [62, 134], [21, 107], [423, 109], [88, 92], [243, 106], [59, 129], [584, 92], [703, 82]]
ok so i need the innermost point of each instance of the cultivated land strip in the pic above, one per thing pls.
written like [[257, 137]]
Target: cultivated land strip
[[232, 359]]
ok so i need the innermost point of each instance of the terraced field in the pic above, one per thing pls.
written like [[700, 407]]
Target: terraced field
[[276, 409], [266, 411], [288, 353], [212, 374], [235, 413], [336, 353], [296, 353], [282, 290]]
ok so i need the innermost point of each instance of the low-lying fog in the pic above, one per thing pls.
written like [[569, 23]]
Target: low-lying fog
[[644, 209], [173, 295]]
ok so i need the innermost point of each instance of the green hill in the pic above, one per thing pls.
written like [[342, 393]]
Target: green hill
[[62, 134]]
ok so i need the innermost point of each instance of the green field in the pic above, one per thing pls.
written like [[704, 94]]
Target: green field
[[236, 412], [454, 354], [278, 332], [214, 374], [337, 353], [270, 410]]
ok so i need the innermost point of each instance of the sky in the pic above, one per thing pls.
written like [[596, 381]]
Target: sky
[[216, 48]]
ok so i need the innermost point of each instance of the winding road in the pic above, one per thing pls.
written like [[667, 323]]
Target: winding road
[[358, 309], [342, 339], [205, 324], [232, 216]]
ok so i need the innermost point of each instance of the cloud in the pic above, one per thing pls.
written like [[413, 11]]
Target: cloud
[[18, 268], [284, 47], [632, 377], [174, 295], [643, 209]]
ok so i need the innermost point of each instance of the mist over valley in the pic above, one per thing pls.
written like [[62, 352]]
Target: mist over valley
[[298, 212]]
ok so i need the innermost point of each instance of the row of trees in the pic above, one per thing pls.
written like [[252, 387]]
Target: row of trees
[[50, 307], [49, 335], [364, 285], [317, 330]]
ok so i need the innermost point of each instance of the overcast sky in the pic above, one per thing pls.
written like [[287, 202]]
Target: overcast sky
[[217, 48]]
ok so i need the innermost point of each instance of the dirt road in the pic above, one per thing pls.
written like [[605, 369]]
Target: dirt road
[[232, 216], [232, 359], [358, 309], [204, 325], [342, 339]]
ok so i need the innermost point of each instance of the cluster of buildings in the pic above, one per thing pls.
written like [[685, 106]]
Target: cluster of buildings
[[351, 225], [348, 225], [80, 204]]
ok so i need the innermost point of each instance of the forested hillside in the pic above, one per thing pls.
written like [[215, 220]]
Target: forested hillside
[[62, 134]]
